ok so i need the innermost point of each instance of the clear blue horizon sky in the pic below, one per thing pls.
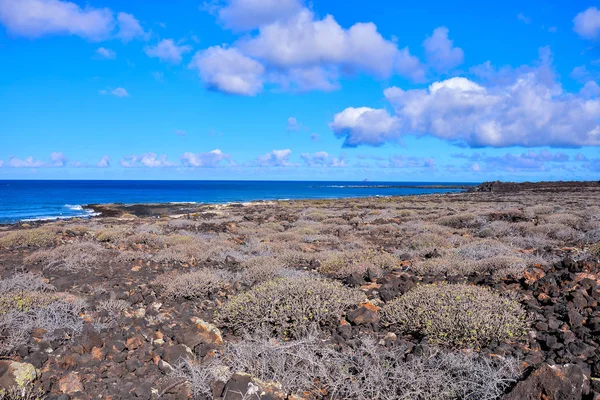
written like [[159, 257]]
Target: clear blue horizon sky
[[459, 91]]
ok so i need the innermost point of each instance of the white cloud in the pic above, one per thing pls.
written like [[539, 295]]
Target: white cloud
[[521, 17], [29, 162], [227, 70], [292, 124], [150, 160], [106, 53], [35, 18], [400, 161], [119, 92], [440, 51], [104, 162], [590, 90], [303, 42], [364, 125], [522, 107], [209, 159], [248, 14], [167, 50], [58, 159], [323, 159], [587, 23], [129, 27], [275, 158]]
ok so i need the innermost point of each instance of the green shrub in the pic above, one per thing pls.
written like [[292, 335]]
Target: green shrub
[[36, 237], [456, 315], [288, 307]]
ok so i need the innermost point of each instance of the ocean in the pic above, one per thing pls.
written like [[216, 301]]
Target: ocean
[[28, 200]]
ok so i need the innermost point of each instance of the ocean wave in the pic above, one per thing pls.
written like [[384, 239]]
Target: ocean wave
[[183, 202], [75, 207]]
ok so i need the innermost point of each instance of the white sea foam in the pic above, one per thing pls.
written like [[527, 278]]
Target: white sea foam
[[75, 207]]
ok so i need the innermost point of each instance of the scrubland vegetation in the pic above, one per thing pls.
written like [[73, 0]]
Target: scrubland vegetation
[[431, 297]]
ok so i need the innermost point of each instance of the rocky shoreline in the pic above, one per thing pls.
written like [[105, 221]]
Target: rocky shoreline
[[155, 283]]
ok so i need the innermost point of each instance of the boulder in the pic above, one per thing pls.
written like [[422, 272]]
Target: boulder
[[201, 333], [566, 382], [365, 314], [16, 374]]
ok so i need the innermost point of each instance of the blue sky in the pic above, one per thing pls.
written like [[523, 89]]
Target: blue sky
[[286, 89]]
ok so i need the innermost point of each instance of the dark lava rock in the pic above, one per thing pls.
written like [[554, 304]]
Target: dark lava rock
[[172, 354], [566, 382]]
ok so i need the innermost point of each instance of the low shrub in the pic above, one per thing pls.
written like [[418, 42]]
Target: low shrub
[[73, 257], [25, 306], [288, 307], [365, 371], [461, 221], [36, 237], [189, 285], [456, 315], [263, 268]]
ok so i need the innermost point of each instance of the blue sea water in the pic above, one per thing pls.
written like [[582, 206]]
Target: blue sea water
[[41, 199]]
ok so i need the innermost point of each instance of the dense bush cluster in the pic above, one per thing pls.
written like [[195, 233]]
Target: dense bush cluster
[[189, 285], [73, 257], [456, 315], [288, 307], [366, 372], [36, 237], [27, 302]]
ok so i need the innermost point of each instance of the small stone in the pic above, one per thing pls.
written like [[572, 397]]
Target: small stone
[[172, 354], [134, 342]]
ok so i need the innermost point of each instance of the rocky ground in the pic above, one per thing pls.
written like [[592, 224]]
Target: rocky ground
[[309, 299]]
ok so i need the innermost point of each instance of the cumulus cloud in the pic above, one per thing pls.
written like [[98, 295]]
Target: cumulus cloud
[[58, 159], [28, 162], [227, 70], [275, 158], [590, 90], [151, 160], [587, 23], [208, 159], [323, 159], [129, 27], [521, 107], [305, 41], [167, 50], [440, 51], [297, 51], [364, 125], [243, 15], [119, 92], [105, 53], [104, 162], [35, 18]]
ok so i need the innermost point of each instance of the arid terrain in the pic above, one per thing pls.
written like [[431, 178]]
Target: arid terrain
[[484, 295]]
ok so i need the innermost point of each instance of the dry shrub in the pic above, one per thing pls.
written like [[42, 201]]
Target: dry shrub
[[456, 315], [343, 264], [27, 302], [189, 285], [28, 392], [145, 238], [287, 307], [36, 237], [263, 268], [366, 371], [73, 257], [564, 219], [496, 229], [461, 221], [113, 234], [592, 236], [540, 210]]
